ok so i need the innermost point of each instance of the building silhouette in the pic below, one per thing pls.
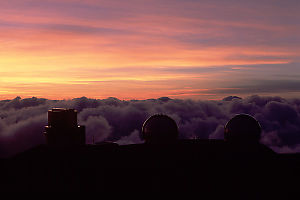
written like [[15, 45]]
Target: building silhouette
[[62, 128], [242, 128], [160, 129]]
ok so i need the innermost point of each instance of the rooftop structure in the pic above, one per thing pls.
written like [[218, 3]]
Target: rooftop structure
[[62, 128]]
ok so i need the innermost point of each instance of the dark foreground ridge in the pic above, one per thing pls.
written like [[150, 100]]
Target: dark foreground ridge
[[217, 168], [204, 166]]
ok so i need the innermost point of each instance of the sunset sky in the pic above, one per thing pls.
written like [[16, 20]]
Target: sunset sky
[[140, 49]]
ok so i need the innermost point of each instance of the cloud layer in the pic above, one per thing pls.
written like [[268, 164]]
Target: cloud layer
[[22, 121]]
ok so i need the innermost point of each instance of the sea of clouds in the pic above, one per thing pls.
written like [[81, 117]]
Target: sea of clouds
[[22, 121]]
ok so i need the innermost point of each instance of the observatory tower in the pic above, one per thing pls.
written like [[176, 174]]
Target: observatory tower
[[62, 128]]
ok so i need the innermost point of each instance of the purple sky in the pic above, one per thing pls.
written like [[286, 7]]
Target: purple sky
[[135, 49]]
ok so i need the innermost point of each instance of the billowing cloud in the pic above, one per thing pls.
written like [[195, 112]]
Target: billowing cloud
[[97, 129], [22, 121]]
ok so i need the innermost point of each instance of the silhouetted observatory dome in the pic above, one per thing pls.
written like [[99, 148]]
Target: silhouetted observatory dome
[[242, 128], [159, 129]]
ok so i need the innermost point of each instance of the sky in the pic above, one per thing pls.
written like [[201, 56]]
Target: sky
[[138, 49]]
